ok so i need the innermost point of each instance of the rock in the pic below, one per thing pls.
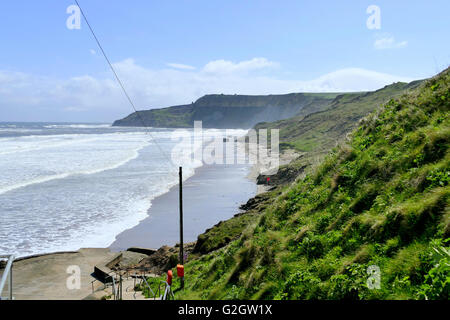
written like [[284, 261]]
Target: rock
[[163, 259]]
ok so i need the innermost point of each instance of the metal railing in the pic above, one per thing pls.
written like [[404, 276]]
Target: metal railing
[[116, 285], [7, 275], [114, 289], [168, 294], [148, 286]]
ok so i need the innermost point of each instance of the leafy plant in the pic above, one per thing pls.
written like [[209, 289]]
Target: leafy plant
[[436, 283]]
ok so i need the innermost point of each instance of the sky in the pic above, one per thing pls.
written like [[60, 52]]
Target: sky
[[175, 51]]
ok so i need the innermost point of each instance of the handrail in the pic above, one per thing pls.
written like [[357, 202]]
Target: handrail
[[145, 280], [116, 285], [114, 288], [167, 292], [117, 290], [7, 273]]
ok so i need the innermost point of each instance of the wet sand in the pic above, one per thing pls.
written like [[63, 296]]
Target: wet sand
[[212, 194]]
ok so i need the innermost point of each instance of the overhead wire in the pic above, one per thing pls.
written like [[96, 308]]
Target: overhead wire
[[121, 84]]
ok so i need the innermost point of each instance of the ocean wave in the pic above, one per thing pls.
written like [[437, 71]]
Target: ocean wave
[[83, 211], [19, 130], [68, 174], [39, 142], [78, 126], [62, 166], [117, 214]]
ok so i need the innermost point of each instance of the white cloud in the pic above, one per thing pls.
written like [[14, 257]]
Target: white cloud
[[74, 109], [93, 52], [224, 66], [96, 98], [355, 79], [388, 42], [180, 66]]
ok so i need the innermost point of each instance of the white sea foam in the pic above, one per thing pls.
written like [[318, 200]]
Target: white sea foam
[[77, 126], [30, 160], [134, 155], [63, 192], [34, 143]]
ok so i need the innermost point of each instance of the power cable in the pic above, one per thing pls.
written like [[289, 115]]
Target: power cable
[[121, 84]]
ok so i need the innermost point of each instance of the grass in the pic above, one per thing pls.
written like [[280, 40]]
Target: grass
[[381, 199], [316, 131], [173, 117]]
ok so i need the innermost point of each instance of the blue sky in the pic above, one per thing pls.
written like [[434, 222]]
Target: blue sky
[[172, 52]]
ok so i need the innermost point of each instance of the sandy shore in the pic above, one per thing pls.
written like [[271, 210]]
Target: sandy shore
[[213, 194]]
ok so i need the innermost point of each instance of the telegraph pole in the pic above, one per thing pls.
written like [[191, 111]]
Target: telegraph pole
[[181, 226]]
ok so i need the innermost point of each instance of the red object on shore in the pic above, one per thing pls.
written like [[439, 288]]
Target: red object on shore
[[169, 277], [180, 271], [268, 179]]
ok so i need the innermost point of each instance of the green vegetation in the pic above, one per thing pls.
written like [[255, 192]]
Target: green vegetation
[[231, 111], [314, 134], [225, 231], [380, 199], [273, 100], [173, 117]]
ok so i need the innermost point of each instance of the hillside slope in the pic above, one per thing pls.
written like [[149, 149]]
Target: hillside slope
[[230, 111], [314, 134], [379, 202], [322, 131]]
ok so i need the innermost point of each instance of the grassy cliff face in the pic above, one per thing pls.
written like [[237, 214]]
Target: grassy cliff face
[[380, 200], [231, 111], [292, 99], [314, 134], [324, 129], [173, 117]]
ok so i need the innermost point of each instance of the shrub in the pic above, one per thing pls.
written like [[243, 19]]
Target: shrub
[[436, 284], [349, 285], [311, 246], [300, 285]]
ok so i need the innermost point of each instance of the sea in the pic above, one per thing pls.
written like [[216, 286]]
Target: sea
[[65, 186]]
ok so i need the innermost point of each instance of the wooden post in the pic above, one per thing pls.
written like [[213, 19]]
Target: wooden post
[[181, 225]]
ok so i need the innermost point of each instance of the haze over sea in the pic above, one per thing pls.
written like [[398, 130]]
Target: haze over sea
[[69, 186]]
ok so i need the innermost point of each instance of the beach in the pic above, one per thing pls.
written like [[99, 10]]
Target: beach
[[214, 193]]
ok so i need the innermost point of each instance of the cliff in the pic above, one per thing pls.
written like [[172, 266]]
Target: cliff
[[230, 111]]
